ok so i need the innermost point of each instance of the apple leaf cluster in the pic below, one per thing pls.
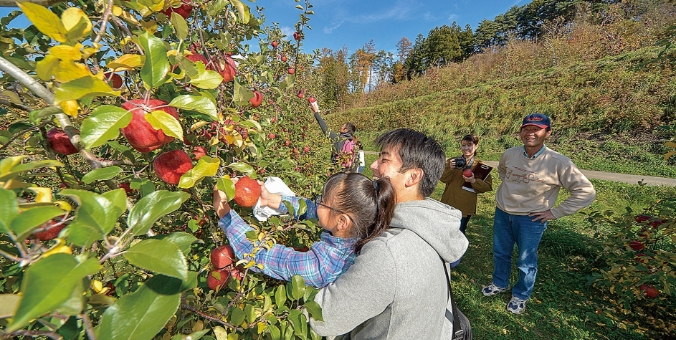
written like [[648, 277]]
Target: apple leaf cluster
[[637, 264], [123, 118]]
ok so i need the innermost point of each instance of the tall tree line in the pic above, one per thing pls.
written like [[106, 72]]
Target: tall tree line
[[367, 68]]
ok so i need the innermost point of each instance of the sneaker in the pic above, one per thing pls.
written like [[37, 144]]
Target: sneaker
[[492, 289], [516, 305]]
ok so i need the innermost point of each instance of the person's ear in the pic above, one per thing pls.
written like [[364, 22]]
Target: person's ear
[[414, 176], [343, 222]]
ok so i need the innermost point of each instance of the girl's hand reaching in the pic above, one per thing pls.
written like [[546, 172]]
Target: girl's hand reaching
[[221, 205], [269, 199]]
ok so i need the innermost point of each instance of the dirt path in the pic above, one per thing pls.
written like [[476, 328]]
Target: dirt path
[[624, 178], [610, 176]]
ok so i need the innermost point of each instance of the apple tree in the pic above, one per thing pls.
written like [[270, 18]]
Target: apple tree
[[118, 119]]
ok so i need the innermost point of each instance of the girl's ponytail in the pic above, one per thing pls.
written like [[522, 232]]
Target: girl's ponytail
[[384, 202]]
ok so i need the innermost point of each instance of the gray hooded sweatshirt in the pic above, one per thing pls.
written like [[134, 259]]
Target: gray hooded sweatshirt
[[396, 288]]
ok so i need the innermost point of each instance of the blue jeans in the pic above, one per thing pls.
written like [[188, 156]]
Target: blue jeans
[[520, 229], [463, 227]]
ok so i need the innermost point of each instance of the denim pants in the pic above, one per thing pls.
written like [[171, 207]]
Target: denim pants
[[463, 227], [520, 229]]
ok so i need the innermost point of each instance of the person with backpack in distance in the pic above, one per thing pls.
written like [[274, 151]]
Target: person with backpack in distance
[[352, 210], [397, 287], [344, 152], [532, 175]]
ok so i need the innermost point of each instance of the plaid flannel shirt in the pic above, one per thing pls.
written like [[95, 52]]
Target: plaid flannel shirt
[[322, 264]]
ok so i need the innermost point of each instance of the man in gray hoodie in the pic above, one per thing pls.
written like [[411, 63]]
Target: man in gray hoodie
[[396, 288]]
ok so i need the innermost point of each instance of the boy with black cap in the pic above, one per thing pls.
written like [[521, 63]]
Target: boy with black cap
[[532, 176]]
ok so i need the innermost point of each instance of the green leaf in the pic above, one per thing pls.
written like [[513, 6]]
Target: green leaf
[[161, 120], [95, 217], [179, 25], [225, 184], [156, 65], [104, 124], [243, 10], [152, 207], [242, 94], [8, 304], [36, 164], [200, 104], [47, 284], [81, 87], [280, 295], [9, 209], [101, 174], [299, 323], [237, 316], [250, 313], [242, 168], [315, 310], [36, 115], [206, 79], [206, 167], [26, 221], [142, 314], [297, 287], [180, 239], [159, 256]]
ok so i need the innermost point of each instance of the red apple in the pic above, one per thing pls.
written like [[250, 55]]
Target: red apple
[[184, 10], [271, 136], [291, 70], [222, 256], [198, 152], [274, 44], [59, 142], [256, 100], [218, 278], [170, 166], [49, 230], [467, 173], [287, 142], [237, 273], [301, 94], [139, 133], [306, 149], [636, 245], [641, 218], [114, 80], [655, 224], [284, 59], [247, 191], [296, 35], [127, 189], [195, 57], [311, 100], [649, 290], [227, 68]]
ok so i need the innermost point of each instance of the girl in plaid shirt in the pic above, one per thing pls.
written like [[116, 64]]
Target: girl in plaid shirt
[[352, 210]]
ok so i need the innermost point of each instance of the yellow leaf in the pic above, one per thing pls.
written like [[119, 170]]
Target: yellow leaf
[[97, 286], [44, 68], [11, 96], [71, 18], [670, 144], [59, 248], [64, 205], [669, 154], [220, 332], [161, 120], [66, 71], [44, 20], [126, 62], [88, 51], [70, 107], [126, 16], [42, 194], [150, 26], [261, 327]]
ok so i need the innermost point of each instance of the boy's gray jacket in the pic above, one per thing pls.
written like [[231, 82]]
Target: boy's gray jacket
[[396, 288]]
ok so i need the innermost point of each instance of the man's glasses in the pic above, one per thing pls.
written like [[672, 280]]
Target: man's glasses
[[319, 201]]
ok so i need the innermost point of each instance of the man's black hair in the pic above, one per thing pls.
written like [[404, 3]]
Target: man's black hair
[[416, 151], [351, 129]]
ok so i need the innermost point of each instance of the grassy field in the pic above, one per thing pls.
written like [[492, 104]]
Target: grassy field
[[563, 305]]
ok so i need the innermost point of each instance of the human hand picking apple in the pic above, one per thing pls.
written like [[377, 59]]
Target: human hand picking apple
[[314, 105], [468, 175]]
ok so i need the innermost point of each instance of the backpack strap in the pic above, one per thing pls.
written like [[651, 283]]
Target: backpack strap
[[458, 332]]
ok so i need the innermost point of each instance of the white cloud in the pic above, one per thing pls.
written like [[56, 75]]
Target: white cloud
[[287, 31], [329, 30], [453, 17]]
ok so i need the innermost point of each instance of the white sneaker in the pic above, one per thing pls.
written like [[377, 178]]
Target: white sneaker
[[492, 289], [516, 305]]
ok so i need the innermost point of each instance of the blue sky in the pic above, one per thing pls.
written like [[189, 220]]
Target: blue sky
[[353, 23]]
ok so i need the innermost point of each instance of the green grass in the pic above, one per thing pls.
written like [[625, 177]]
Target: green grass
[[563, 305]]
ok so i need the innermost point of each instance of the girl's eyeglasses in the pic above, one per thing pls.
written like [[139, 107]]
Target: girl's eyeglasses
[[319, 201]]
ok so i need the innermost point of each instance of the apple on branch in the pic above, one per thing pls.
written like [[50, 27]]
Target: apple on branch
[[257, 99], [139, 133], [247, 191], [170, 166], [59, 142]]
